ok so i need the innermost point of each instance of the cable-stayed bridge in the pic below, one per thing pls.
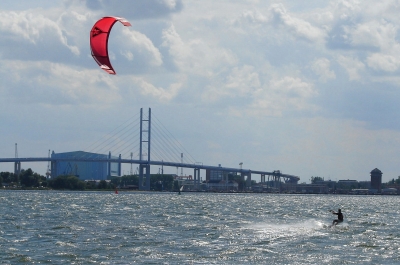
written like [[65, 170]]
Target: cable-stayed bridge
[[154, 145]]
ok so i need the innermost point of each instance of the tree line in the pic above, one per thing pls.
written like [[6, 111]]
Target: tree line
[[158, 182], [29, 179], [26, 178]]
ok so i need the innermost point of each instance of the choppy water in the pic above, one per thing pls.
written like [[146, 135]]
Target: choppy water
[[51, 227]]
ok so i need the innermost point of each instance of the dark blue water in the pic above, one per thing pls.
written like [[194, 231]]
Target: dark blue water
[[50, 227]]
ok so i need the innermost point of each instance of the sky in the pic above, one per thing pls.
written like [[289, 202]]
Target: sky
[[310, 88]]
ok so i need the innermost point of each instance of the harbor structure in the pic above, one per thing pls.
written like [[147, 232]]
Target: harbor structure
[[376, 180], [69, 164], [218, 180]]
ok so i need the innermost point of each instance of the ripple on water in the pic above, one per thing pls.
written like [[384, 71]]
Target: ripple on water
[[198, 228]]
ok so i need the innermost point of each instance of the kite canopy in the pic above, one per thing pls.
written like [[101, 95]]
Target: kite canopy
[[99, 41]]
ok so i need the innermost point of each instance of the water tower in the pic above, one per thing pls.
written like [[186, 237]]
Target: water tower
[[376, 179]]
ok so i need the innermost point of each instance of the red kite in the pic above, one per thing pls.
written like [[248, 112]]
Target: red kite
[[99, 41]]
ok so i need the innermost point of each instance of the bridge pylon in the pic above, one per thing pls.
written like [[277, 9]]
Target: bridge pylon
[[144, 177], [17, 168], [17, 164], [246, 177], [196, 178], [145, 143]]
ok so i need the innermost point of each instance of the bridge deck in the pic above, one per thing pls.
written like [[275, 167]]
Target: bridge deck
[[145, 162]]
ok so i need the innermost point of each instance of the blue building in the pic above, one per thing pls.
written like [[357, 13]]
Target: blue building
[[84, 169]]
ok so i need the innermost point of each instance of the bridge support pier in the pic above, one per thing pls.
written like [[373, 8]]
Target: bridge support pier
[[246, 177], [144, 177], [17, 168], [53, 169], [109, 165], [262, 178], [196, 178], [277, 182], [119, 166], [248, 181]]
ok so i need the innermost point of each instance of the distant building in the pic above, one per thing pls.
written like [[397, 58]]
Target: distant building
[[376, 179], [329, 183], [391, 188], [311, 188], [360, 191], [84, 170], [215, 185], [186, 182], [390, 191], [347, 184], [364, 184], [216, 175], [218, 180]]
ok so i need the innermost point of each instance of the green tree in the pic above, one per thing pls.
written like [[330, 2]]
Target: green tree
[[157, 182], [125, 180], [239, 180], [161, 182], [30, 179], [44, 183], [314, 180], [9, 177], [90, 185], [102, 185], [67, 182], [392, 182], [397, 181]]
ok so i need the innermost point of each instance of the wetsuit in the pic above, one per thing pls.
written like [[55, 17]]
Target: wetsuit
[[340, 218]]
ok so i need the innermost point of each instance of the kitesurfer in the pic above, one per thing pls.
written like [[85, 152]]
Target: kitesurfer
[[340, 217]]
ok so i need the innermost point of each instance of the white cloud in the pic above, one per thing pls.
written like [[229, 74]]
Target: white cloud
[[321, 67], [177, 48], [345, 9], [46, 83], [135, 9], [196, 56], [162, 94], [379, 34], [298, 27], [286, 93], [172, 4], [277, 96], [383, 62], [139, 43], [254, 17], [353, 66], [242, 81], [278, 17], [34, 28]]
